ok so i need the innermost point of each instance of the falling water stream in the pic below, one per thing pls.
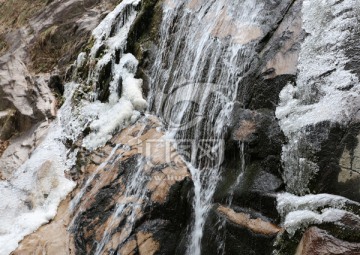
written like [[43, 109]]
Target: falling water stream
[[195, 82]]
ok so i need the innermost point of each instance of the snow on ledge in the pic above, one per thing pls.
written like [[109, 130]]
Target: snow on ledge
[[300, 212]]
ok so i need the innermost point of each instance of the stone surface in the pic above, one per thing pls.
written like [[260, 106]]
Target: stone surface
[[24, 92], [257, 226], [240, 232], [285, 44], [319, 242], [350, 164], [80, 225]]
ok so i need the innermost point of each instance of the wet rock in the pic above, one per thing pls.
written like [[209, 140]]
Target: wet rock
[[282, 51], [338, 161], [56, 84], [317, 241], [238, 232], [164, 187], [160, 209], [258, 136], [257, 226]]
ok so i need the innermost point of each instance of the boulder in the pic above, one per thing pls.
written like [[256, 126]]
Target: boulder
[[320, 242]]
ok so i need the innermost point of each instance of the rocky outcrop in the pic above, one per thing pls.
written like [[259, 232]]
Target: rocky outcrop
[[29, 98], [317, 241], [257, 226], [147, 220]]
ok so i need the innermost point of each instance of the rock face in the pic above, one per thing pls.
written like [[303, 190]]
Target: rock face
[[264, 80], [29, 65], [147, 220]]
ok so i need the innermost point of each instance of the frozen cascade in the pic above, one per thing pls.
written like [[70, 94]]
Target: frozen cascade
[[104, 118], [109, 98], [199, 76], [315, 100]]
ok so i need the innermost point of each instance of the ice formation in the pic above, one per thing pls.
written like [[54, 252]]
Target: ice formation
[[121, 109], [32, 196], [325, 91], [105, 118], [302, 219], [287, 202], [300, 212]]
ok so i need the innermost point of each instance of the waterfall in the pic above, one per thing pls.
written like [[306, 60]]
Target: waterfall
[[207, 50], [33, 194], [198, 71]]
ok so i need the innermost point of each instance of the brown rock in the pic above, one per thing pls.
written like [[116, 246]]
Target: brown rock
[[147, 245], [109, 181], [3, 146], [246, 129], [286, 58], [319, 242], [257, 226], [129, 248]]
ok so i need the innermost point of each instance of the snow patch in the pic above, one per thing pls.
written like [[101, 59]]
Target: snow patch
[[287, 202], [302, 219]]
